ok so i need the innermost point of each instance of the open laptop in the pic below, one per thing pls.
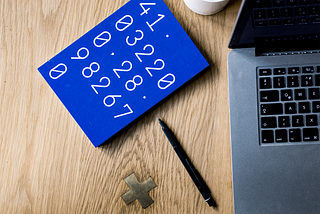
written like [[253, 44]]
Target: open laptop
[[274, 81]]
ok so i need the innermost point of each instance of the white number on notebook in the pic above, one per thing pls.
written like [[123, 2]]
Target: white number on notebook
[[151, 25], [93, 68], [134, 83], [102, 39], [145, 54], [129, 112], [84, 51], [135, 38], [116, 70], [166, 81], [124, 23], [58, 71], [101, 86], [145, 11], [155, 68], [113, 97]]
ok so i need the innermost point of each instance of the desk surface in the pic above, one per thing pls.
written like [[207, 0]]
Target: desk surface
[[47, 163]]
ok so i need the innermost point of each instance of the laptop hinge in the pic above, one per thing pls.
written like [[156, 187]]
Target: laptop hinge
[[287, 45]]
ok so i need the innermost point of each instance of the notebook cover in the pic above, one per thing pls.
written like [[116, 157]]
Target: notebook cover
[[123, 67]]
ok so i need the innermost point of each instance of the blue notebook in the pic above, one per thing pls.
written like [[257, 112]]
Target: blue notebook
[[123, 67]]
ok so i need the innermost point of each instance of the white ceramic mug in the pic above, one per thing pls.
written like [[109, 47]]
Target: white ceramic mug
[[206, 7]]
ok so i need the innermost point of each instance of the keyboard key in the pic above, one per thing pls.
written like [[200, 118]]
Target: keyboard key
[[303, 20], [304, 107], [286, 12], [267, 136], [300, 11], [297, 121], [265, 83], [289, 21], [300, 94], [312, 120], [293, 81], [278, 3], [268, 122], [290, 108], [279, 71], [275, 22], [313, 10], [294, 135], [271, 109], [305, 2], [292, 2], [316, 106], [279, 82], [315, 19], [317, 80], [306, 80], [294, 70], [273, 13], [264, 72], [284, 121], [314, 93], [281, 136], [308, 69], [269, 96], [262, 23], [318, 69], [262, 3], [259, 14], [310, 134], [286, 95]]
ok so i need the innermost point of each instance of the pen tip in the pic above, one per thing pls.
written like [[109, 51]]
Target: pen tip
[[211, 202], [160, 121]]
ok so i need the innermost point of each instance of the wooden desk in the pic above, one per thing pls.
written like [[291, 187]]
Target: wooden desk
[[47, 163]]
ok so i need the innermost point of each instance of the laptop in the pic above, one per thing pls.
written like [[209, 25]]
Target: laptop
[[274, 81]]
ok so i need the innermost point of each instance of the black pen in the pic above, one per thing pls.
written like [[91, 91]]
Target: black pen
[[194, 174]]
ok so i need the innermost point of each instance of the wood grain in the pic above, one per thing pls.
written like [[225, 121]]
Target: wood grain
[[47, 163]]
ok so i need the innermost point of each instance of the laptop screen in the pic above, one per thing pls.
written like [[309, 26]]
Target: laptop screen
[[286, 23]]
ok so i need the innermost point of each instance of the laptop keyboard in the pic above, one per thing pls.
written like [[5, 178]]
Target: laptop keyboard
[[289, 104], [285, 12]]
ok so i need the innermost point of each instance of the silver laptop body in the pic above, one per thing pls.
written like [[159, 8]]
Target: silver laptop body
[[275, 171]]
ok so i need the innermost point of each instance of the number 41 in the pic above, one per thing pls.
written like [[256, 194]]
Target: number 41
[[145, 11]]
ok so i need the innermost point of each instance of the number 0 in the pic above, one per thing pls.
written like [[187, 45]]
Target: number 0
[[166, 81], [102, 39], [58, 71], [124, 23]]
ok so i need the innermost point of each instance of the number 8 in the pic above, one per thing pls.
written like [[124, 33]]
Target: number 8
[[134, 83], [91, 70]]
